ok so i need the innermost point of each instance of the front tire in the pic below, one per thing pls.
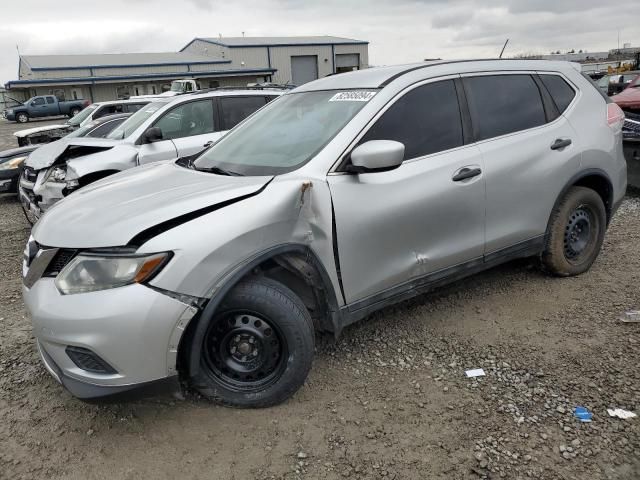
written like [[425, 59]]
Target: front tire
[[73, 112], [576, 233], [22, 117], [258, 348]]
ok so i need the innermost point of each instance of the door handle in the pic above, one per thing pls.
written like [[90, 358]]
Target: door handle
[[466, 173], [560, 143]]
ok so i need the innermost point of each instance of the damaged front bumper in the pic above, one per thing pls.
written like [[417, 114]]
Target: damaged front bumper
[[37, 193], [130, 342]]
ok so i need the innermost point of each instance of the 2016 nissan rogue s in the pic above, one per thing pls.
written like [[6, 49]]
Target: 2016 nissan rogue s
[[346, 195]]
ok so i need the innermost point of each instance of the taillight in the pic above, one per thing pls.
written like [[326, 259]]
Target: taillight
[[615, 116]]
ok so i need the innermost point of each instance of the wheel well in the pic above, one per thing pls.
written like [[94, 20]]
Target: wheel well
[[602, 186], [300, 273], [299, 270]]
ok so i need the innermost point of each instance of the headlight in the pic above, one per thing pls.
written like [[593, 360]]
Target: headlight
[[91, 272], [10, 111], [57, 174], [13, 163]]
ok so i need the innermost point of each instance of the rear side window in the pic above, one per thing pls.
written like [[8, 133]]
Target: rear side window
[[560, 91], [133, 107], [236, 109], [104, 129], [502, 104], [50, 100], [426, 120], [187, 120]]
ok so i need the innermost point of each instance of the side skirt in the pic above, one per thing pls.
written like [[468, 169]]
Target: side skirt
[[358, 310]]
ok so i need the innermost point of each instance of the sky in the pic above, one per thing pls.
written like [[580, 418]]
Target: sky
[[399, 31]]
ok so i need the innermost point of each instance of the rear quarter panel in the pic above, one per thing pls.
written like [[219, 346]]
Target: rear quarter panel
[[601, 146]]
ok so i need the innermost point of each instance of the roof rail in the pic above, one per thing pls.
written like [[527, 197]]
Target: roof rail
[[265, 86]]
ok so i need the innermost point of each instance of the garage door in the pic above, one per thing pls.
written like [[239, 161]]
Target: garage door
[[304, 68], [348, 60]]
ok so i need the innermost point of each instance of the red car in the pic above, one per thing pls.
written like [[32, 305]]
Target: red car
[[629, 98]]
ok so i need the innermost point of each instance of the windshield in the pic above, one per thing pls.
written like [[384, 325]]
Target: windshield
[[132, 123], [176, 86], [285, 134], [84, 113]]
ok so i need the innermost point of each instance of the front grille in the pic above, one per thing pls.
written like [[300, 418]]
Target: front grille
[[61, 260], [87, 360]]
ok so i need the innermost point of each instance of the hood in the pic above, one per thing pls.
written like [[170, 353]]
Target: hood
[[113, 211], [47, 154], [629, 97], [14, 152], [30, 131]]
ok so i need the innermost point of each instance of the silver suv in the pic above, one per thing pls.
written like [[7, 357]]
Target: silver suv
[[164, 129], [346, 195]]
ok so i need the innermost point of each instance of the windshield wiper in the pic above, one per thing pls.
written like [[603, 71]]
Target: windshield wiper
[[219, 171]]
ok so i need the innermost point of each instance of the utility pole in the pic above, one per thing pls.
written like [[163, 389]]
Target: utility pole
[[503, 47]]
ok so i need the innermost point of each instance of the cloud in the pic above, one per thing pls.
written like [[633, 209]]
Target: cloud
[[402, 31]]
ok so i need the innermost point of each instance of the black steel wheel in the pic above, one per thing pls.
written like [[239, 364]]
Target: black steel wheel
[[576, 232], [257, 349], [245, 351]]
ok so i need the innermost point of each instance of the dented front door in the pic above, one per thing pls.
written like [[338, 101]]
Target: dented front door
[[398, 226]]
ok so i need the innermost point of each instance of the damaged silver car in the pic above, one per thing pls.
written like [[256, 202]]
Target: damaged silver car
[[161, 130], [346, 195]]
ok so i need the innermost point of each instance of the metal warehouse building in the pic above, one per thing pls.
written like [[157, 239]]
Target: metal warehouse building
[[228, 61]]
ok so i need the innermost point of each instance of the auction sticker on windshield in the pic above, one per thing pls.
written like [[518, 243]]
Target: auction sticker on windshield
[[352, 96]]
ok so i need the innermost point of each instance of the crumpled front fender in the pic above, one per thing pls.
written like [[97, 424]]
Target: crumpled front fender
[[121, 157]]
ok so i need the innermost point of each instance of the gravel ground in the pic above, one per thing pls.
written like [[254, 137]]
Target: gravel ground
[[388, 400]]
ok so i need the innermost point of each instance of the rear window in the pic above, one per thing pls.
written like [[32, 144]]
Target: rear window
[[236, 109], [560, 91], [502, 104]]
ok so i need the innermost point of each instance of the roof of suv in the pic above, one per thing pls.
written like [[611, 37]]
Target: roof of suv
[[128, 100], [379, 77]]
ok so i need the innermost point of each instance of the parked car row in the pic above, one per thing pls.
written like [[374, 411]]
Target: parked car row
[[343, 196], [164, 129], [50, 133], [12, 161]]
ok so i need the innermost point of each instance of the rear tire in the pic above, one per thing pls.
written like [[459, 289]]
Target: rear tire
[[258, 348], [73, 112], [22, 117], [576, 232]]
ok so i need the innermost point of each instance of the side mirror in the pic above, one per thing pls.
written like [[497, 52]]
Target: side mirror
[[33, 104], [376, 156], [153, 134]]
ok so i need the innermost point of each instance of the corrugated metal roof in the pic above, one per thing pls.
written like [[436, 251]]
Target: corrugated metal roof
[[272, 41], [48, 62]]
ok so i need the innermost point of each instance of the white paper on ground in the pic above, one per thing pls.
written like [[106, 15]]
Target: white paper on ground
[[632, 316], [478, 372], [620, 413]]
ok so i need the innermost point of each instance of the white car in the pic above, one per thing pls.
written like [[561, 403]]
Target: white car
[[165, 129], [50, 133]]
